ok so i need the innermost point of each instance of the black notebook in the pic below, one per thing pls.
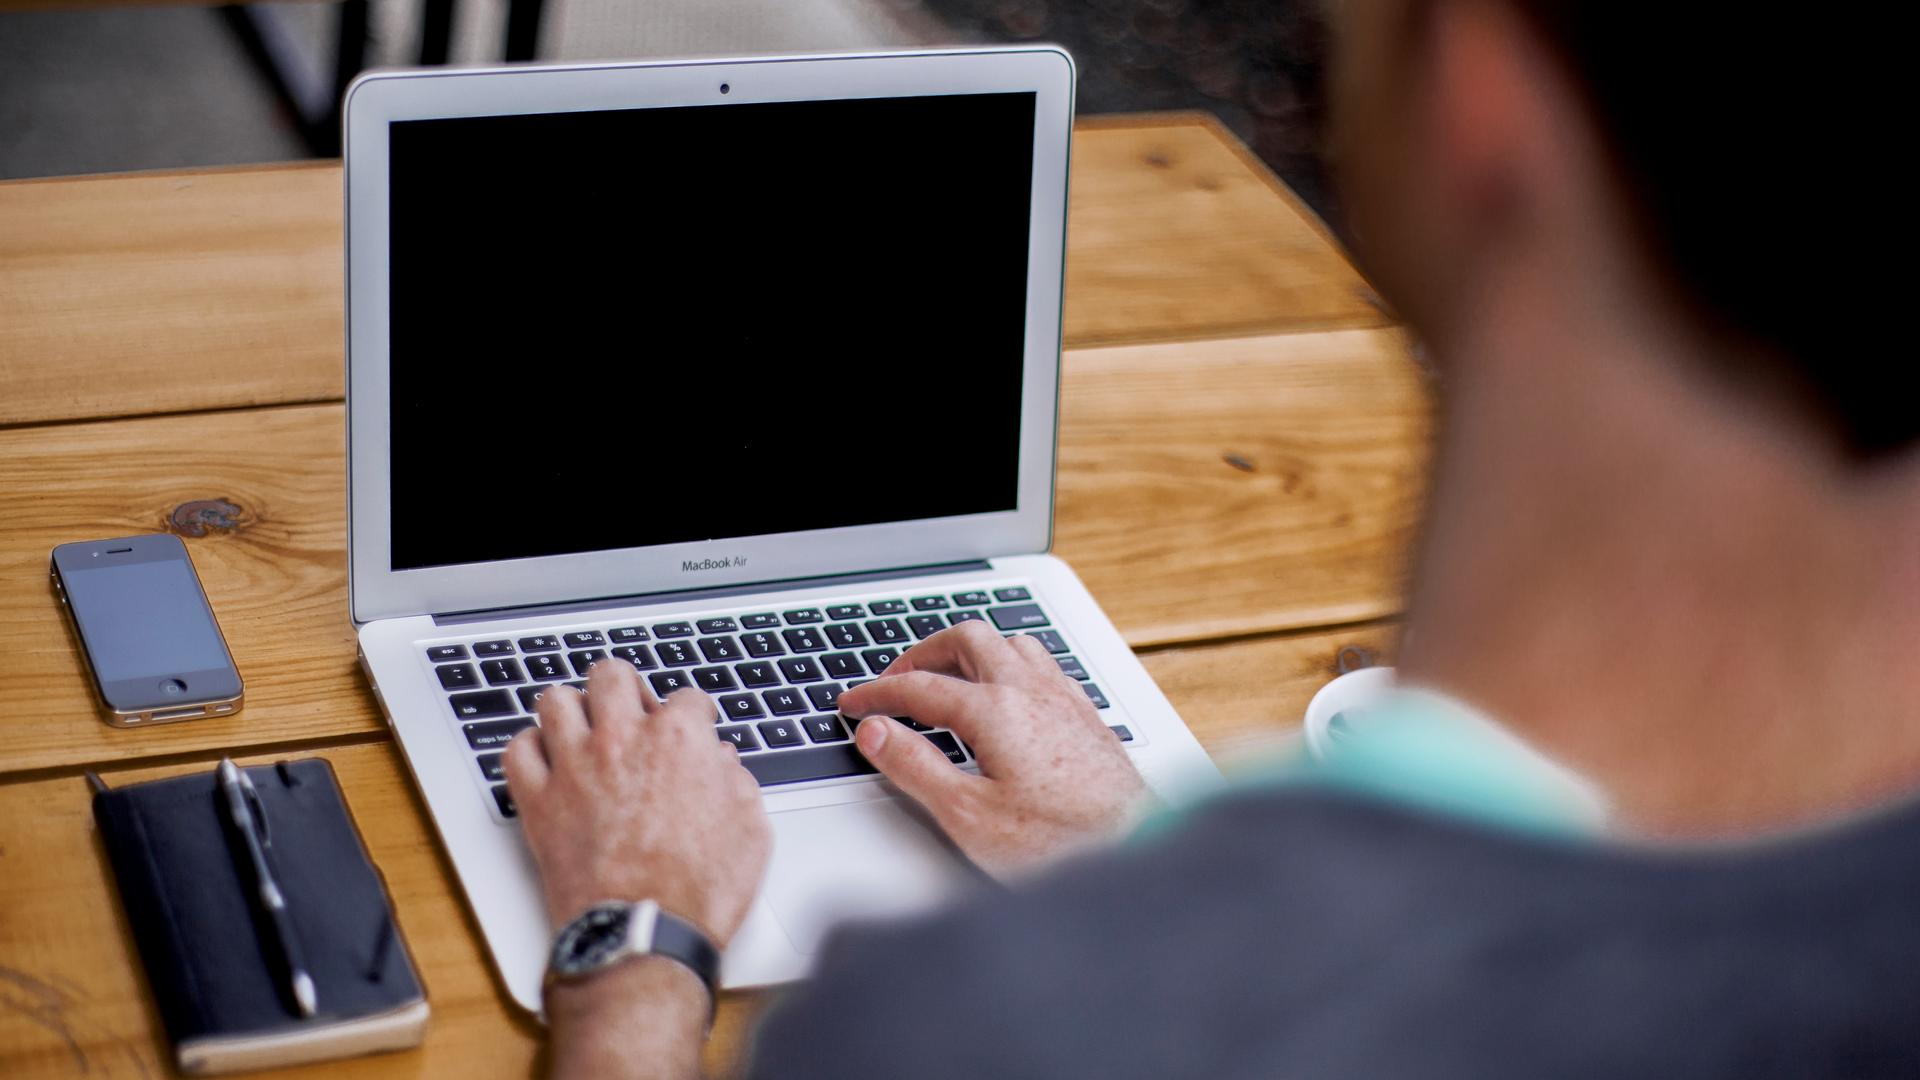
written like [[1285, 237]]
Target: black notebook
[[225, 1004]]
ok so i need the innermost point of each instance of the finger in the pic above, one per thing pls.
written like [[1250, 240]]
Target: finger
[[916, 767], [1035, 654], [940, 700], [972, 650], [613, 700], [563, 724], [526, 764], [686, 713]]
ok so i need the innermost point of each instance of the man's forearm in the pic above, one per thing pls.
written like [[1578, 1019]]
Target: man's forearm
[[643, 1020]]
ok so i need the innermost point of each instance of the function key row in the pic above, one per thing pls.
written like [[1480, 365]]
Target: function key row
[[1019, 617]]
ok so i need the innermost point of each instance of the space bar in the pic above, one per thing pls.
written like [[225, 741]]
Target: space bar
[[818, 763]]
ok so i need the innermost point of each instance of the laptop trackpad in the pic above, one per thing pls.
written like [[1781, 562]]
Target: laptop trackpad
[[855, 861]]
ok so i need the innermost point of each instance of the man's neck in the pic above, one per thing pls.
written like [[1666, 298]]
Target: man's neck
[[1641, 573]]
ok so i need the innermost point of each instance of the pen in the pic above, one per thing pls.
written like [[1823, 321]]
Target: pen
[[241, 798]]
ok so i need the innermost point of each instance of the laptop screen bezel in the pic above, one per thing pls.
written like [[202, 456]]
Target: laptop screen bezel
[[375, 101]]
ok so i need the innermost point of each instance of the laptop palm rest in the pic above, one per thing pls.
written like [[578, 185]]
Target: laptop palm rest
[[853, 861]]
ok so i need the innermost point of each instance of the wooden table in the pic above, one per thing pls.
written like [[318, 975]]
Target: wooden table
[[1242, 442]]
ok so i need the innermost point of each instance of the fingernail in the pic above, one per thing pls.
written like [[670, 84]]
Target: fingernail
[[871, 735]]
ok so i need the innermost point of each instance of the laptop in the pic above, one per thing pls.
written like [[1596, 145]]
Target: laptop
[[744, 372]]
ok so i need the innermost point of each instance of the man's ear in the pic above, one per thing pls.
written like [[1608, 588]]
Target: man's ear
[[1495, 115]]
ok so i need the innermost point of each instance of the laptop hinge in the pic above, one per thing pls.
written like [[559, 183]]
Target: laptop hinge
[[456, 618]]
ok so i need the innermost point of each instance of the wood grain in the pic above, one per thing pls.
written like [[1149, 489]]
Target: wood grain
[[1226, 487], [168, 292], [1177, 231], [1176, 543], [73, 998]]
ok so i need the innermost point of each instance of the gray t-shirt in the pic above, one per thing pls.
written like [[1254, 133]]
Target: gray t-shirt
[[1297, 933]]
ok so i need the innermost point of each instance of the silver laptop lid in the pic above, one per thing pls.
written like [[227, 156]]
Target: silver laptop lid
[[626, 329]]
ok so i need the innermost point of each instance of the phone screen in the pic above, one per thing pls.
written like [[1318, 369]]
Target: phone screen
[[144, 620]]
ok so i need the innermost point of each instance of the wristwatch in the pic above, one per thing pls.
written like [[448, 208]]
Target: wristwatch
[[607, 933]]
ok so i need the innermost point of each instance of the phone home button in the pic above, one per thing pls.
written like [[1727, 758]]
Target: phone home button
[[172, 686]]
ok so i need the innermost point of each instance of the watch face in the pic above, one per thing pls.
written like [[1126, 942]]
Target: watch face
[[592, 939]]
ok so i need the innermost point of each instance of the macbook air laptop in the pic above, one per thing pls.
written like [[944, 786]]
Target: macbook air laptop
[[744, 372]]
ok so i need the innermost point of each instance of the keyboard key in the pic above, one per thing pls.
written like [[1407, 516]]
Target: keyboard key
[[673, 629], [803, 615], [442, 653], [780, 732], [455, 676], [714, 679], [585, 659], [929, 603], [757, 673], [627, 635], [1011, 593], [886, 607], [784, 701], [504, 801], [482, 703], [976, 598], [492, 766], [913, 725], [925, 626], [1120, 732], [887, 632], [542, 643], [741, 737], [878, 659], [762, 645], [580, 639], [666, 682], [716, 626], [676, 653], [763, 621], [840, 612], [825, 729], [502, 672], [845, 635], [1093, 694], [818, 763], [719, 649], [800, 669], [493, 648], [638, 655], [1051, 639], [546, 666], [530, 696], [1018, 617], [741, 707], [804, 639], [825, 697], [495, 734], [1071, 667], [842, 665], [959, 617], [948, 745]]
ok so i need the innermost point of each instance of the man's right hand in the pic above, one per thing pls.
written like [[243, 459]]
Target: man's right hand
[[1053, 778]]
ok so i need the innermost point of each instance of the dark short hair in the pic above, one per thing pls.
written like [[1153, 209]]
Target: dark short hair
[[1758, 142]]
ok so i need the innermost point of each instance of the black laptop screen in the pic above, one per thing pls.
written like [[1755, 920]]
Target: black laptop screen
[[638, 327]]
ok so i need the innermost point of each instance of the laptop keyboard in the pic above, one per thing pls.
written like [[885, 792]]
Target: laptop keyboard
[[775, 676]]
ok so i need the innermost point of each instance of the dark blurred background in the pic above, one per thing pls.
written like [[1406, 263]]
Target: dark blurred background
[[101, 86]]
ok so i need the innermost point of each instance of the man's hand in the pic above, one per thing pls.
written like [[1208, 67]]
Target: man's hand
[[625, 798], [1052, 777]]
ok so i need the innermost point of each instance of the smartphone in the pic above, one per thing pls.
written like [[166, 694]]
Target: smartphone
[[153, 649]]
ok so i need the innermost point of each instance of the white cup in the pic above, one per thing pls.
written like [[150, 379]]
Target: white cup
[[1348, 694]]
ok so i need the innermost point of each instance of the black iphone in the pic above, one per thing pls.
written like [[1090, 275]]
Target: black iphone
[[149, 636]]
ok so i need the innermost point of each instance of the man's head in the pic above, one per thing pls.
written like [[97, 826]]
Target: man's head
[[1735, 160]]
